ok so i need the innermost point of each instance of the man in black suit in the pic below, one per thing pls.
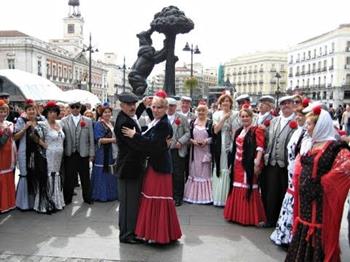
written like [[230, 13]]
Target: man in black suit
[[130, 167]]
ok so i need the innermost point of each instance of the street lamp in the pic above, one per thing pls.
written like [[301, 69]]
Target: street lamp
[[277, 92], [91, 50], [124, 69], [193, 51]]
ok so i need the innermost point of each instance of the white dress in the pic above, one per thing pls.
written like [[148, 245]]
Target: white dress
[[221, 184], [54, 153], [283, 231]]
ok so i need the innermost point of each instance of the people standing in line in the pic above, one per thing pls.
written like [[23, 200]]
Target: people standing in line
[[198, 188], [49, 194], [244, 204], [274, 178], [130, 167], [322, 183], [157, 221], [282, 235], [103, 183], [178, 149], [13, 114], [27, 148], [7, 160], [224, 126], [345, 120], [79, 151], [265, 107]]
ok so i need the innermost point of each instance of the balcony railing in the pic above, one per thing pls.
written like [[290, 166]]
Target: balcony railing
[[261, 71], [347, 66], [255, 71], [290, 75], [273, 70], [331, 67], [324, 69], [302, 73], [261, 82], [297, 74]]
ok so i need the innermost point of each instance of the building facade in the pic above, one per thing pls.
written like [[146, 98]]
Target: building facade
[[62, 61], [262, 73], [320, 67]]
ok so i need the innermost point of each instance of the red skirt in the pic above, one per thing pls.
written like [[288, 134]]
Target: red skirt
[[7, 192], [238, 209], [157, 219]]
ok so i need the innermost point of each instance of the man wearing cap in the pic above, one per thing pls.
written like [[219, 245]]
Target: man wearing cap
[[13, 114], [186, 108], [243, 100], [79, 150], [178, 149], [265, 106], [130, 167], [274, 179]]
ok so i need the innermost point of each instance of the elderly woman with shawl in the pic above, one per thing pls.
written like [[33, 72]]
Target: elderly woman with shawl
[[322, 182]]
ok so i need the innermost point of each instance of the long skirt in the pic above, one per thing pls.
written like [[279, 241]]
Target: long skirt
[[157, 220], [7, 192]]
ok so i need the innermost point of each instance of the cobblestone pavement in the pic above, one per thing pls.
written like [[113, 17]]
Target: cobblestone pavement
[[90, 233]]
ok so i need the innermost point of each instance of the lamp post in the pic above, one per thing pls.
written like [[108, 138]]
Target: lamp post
[[123, 67], [277, 92], [91, 50], [193, 51]]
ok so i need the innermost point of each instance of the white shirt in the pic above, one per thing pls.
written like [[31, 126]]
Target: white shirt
[[285, 120], [136, 121], [262, 117], [76, 119], [171, 118], [150, 125]]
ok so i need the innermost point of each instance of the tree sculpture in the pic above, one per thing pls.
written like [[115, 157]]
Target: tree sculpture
[[171, 21]]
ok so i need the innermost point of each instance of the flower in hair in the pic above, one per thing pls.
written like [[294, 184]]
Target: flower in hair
[[317, 110], [245, 106], [161, 93], [306, 102], [51, 104], [267, 123], [29, 101], [293, 124], [177, 121]]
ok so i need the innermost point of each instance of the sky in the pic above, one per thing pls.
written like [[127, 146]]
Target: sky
[[223, 29]]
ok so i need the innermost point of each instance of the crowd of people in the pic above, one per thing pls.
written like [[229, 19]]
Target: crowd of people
[[288, 170]]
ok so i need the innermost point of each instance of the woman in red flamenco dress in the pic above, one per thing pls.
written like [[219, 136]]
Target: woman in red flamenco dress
[[244, 204], [157, 221], [7, 161], [322, 183]]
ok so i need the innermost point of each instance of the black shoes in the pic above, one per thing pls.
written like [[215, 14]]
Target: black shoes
[[178, 203], [131, 240]]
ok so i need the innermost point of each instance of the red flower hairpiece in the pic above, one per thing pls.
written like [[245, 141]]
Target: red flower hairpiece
[[245, 106], [177, 121], [29, 101], [51, 104], [161, 93], [2, 102], [306, 102], [317, 110], [267, 123], [82, 123], [293, 124]]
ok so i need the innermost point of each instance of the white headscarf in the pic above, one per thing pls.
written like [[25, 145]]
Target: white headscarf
[[323, 131]]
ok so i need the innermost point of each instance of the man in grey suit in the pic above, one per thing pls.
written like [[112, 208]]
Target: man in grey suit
[[274, 179], [178, 149], [79, 151]]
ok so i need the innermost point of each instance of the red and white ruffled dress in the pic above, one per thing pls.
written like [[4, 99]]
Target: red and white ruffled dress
[[238, 208], [157, 220]]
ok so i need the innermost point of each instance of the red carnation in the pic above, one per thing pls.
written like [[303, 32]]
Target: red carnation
[[2, 102], [341, 132], [267, 122], [317, 110], [245, 106], [177, 121], [306, 102], [161, 93], [82, 123], [51, 104], [29, 101], [293, 124]]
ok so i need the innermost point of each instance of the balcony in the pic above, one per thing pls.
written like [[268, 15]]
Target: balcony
[[347, 66], [302, 73], [244, 72], [273, 82], [323, 86], [331, 67], [297, 74], [249, 82], [297, 61], [255, 82], [290, 62], [313, 71], [255, 71], [290, 75], [273, 70], [347, 49], [261, 71], [307, 72], [239, 72], [329, 86], [318, 70], [261, 82], [346, 86], [250, 71], [324, 69], [234, 73]]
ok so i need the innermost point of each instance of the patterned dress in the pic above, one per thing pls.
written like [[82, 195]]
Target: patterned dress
[[198, 188], [49, 196], [322, 183], [283, 231], [7, 164], [221, 183]]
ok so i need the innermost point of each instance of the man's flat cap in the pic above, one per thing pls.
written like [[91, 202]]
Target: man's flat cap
[[4, 94], [128, 98]]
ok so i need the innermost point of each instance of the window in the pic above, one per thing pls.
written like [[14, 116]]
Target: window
[[348, 60], [39, 68], [48, 69], [70, 28], [303, 56], [309, 54], [11, 63], [320, 51], [314, 53], [333, 47], [325, 50], [291, 59]]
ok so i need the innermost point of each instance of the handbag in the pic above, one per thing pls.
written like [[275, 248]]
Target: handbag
[[113, 169]]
